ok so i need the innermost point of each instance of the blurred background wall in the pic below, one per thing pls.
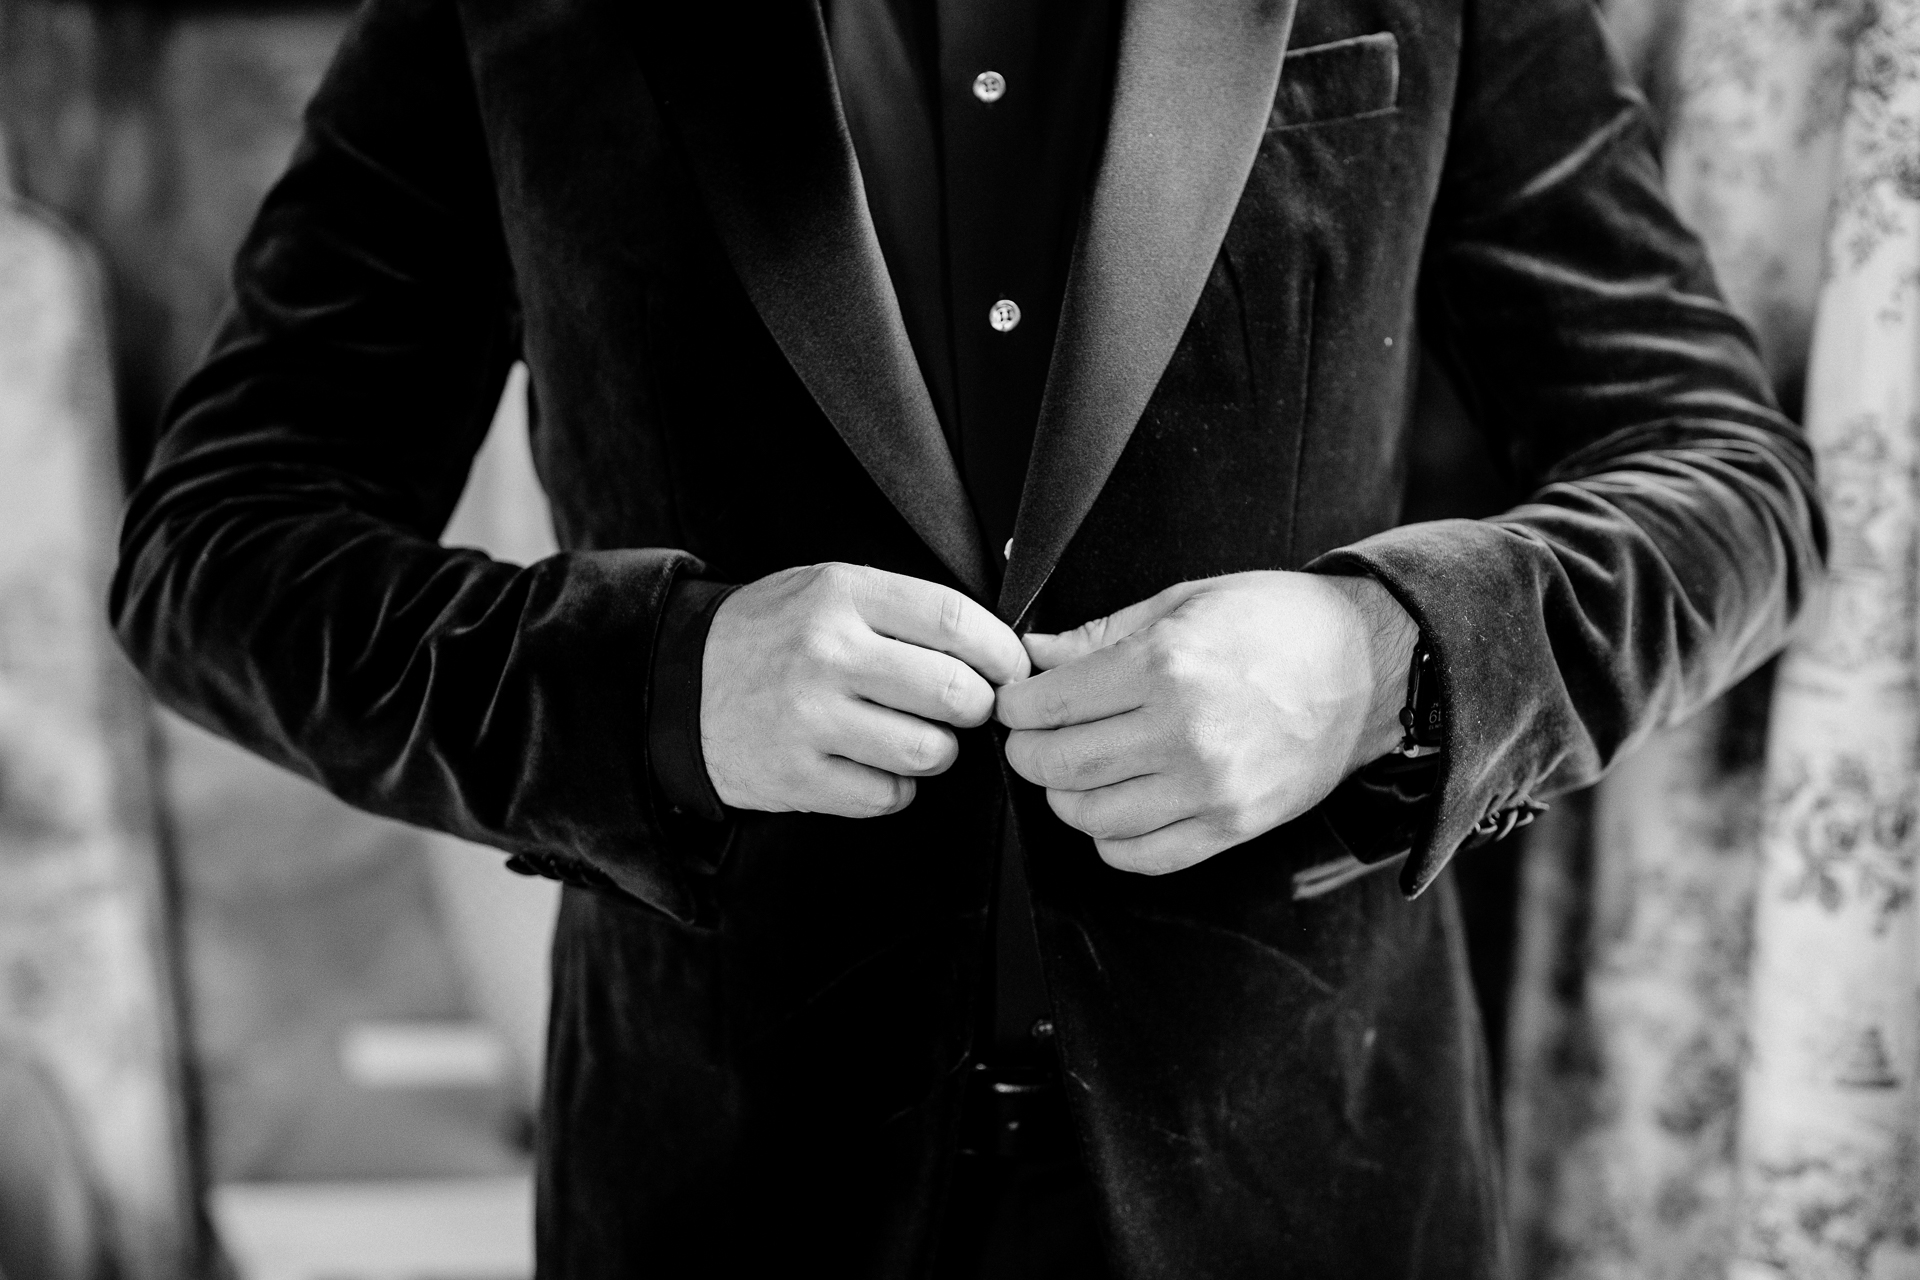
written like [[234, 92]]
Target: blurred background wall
[[322, 1000], [95, 1167]]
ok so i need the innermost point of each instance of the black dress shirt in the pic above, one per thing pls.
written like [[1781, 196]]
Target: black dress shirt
[[977, 124]]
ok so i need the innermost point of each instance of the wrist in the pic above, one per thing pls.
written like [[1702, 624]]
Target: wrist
[[1388, 634]]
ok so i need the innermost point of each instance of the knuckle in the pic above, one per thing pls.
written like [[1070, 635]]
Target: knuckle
[[959, 696], [1099, 821], [952, 615], [1159, 656], [1097, 818], [1170, 661], [824, 646], [836, 575], [1194, 740], [805, 587], [1217, 748], [927, 752], [1054, 763], [1091, 763]]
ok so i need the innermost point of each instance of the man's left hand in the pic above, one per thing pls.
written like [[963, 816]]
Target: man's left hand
[[1217, 710]]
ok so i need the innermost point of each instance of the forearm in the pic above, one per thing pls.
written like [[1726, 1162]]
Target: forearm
[[281, 579], [435, 686], [1569, 628], [1672, 530]]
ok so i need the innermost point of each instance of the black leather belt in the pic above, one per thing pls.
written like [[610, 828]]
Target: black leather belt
[[1015, 1113]]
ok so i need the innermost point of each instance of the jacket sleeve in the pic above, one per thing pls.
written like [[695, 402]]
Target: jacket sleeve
[[280, 579], [1672, 529]]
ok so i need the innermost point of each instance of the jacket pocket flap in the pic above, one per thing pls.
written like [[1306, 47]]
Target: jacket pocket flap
[[1359, 76]]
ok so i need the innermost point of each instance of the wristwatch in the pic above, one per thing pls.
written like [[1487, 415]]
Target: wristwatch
[[1421, 720]]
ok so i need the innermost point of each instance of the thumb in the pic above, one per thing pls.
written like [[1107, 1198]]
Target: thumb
[[1050, 651]]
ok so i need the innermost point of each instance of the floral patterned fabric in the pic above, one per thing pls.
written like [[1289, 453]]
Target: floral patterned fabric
[[93, 1165], [1715, 1034], [1828, 1128]]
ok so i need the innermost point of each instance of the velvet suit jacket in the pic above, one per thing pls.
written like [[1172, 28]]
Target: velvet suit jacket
[[759, 1027]]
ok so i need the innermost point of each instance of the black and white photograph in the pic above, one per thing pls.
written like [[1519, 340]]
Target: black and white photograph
[[959, 639]]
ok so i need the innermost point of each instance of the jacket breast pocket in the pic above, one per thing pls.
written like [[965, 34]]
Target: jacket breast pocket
[[1345, 80]]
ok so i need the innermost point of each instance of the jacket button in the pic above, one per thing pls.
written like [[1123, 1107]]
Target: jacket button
[[1501, 823], [989, 86], [1494, 826]]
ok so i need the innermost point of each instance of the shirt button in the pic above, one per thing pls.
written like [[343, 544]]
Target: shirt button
[[1006, 552], [989, 86], [1004, 315]]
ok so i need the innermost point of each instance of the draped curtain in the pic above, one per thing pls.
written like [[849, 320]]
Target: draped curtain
[[1715, 1026]]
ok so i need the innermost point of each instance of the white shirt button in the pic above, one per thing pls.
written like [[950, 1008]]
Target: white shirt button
[[1006, 552], [989, 86], [1004, 315]]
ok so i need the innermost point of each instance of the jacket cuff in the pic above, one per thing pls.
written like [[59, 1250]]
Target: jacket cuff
[[676, 764], [606, 830], [1473, 589], [1381, 811]]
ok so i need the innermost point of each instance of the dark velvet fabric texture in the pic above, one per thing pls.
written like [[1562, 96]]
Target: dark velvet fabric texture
[[676, 760], [760, 1025]]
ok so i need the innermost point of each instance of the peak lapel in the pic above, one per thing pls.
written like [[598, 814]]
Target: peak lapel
[[753, 97], [1191, 98]]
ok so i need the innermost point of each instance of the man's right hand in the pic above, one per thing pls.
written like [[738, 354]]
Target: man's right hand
[[829, 689]]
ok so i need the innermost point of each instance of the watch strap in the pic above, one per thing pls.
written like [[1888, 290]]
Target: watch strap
[[1421, 720]]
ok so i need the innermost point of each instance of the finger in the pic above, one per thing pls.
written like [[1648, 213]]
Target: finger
[[891, 741], [1050, 651], [1107, 682], [851, 790], [1084, 756], [1174, 847], [1126, 810], [923, 683], [940, 618]]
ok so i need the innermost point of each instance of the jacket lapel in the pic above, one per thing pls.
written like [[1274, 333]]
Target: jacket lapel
[[752, 95], [1192, 94]]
